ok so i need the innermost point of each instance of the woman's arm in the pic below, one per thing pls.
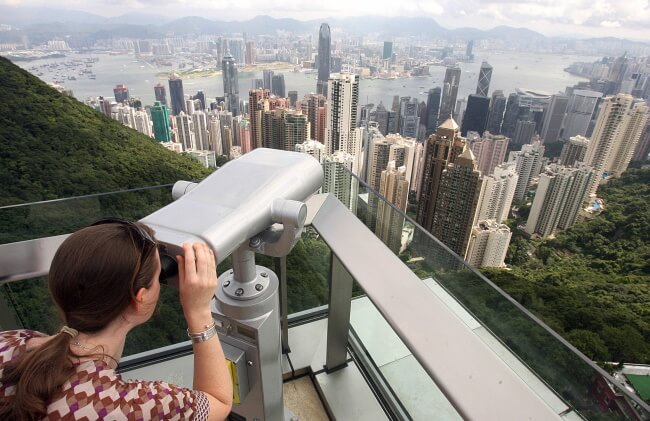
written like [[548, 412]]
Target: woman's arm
[[197, 284]]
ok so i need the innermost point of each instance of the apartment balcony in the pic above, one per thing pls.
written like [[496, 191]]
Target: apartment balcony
[[368, 332]]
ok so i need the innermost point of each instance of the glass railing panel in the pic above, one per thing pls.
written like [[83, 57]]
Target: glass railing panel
[[63, 216], [540, 356]]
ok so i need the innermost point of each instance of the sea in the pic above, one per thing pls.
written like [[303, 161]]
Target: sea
[[539, 72]]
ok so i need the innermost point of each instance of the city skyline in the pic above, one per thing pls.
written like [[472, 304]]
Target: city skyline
[[554, 18]]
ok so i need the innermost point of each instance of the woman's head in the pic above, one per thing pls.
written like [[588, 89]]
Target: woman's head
[[100, 270]]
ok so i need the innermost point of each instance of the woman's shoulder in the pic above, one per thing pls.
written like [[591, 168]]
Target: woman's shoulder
[[17, 337]]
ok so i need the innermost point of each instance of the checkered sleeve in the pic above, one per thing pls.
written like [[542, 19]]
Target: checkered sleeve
[[164, 401]]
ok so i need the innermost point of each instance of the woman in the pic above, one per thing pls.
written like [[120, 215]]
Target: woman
[[104, 280]]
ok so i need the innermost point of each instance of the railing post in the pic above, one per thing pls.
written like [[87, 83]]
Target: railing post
[[281, 271], [338, 323]]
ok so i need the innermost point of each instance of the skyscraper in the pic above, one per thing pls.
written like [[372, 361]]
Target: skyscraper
[[230, 84], [433, 106], [559, 197], [388, 50], [409, 120], [160, 93], [529, 164], [468, 51], [278, 88], [342, 104], [574, 151], [176, 94], [449, 94], [394, 186], [324, 45], [121, 93], [267, 76], [458, 196], [498, 192], [293, 98], [618, 129], [484, 77], [311, 106], [524, 132], [553, 117], [476, 114], [488, 244], [185, 131], [580, 107], [510, 115], [250, 52], [441, 149], [283, 129], [490, 151], [497, 108], [160, 118]]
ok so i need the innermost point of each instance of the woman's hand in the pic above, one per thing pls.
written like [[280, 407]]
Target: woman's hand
[[197, 272]]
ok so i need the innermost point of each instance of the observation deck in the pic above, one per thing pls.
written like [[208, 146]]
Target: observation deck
[[369, 331]]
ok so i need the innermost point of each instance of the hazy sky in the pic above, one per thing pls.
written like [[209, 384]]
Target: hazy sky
[[586, 18]]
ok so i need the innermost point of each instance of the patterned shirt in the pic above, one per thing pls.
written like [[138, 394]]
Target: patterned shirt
[[96, 392]]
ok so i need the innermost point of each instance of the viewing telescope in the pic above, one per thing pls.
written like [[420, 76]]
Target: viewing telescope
[[254, 204]]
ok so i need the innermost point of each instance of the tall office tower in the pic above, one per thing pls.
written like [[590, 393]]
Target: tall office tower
[[458, 197], [278, 86], [201, 135], [459, 110], [244, 129], [490, 151], [378, 157], [497, 108], [313, 106], [176, 94], [123, 114], [574, 151], [160, 93], [395, 105], [529, 164], [313, 148], [468, 52], [441, 148], [524, 132], [185, 131], [190, 106], [381, 118], [267, 76], [559, 197], [409, 120], [553, 117], [388, 50], [342, 103], [618, 129], [236, 48], [537, 115], [216, 143], [200, 96], [293, 98], [324, 44], [230, 84], [476, 114], [488, 244], [643, 147], [510, 115], [449, 94], [433, 106], [580, 108], [257, 84], [142, 123], [250, 52], [256, 98], [422, 116], [283, 129], [498, 192], [394, 187], [160, 117], [338, 180], [121, 93], [484, 77], [105, 106]]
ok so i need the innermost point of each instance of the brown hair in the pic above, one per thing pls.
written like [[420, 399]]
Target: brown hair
[[88, 282]]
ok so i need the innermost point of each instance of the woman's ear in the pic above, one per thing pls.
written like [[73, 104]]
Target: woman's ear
[[138, 300]]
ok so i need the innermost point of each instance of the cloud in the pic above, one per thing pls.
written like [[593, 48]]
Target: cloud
[[610, 24]]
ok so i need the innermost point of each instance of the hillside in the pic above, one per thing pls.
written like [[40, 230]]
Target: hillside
[[52, 146], [592, 282]]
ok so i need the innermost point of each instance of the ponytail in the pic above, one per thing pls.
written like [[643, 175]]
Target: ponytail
[[37, 376]]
